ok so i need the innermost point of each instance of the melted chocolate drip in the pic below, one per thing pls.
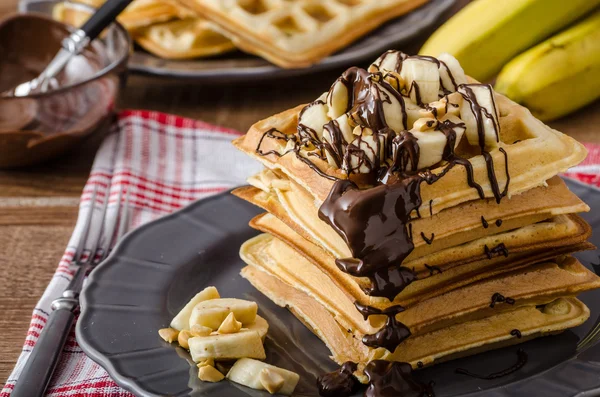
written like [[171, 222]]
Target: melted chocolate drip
[[498, 222], [428, 240], [499, 298], [521, 361], [339, 383], [433, 269], [516, 332], [373, 222], [484, 222], [419, 364], [498, 250], [430, 208], [391, 334], [394, 379]]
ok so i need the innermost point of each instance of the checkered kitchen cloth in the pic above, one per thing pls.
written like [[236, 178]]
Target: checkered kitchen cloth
[[164, 162]]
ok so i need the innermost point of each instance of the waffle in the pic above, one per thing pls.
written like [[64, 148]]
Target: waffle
[[182, 39], [164, 28], [299, 33], [429, 348]]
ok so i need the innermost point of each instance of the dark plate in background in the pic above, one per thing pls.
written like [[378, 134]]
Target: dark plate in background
[[158, 267], [237, 66]]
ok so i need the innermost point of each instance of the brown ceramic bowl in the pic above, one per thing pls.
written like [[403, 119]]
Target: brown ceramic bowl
[[42, 126]]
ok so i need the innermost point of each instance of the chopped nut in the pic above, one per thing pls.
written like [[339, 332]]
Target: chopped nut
[[425, 124], [455, 101], [362, 131], [209, 361], [210, 374], [438, 107], [168, 334], [395, 80], [200, 330], [373, 69], [183, 337], [230, 325], [271, 380]]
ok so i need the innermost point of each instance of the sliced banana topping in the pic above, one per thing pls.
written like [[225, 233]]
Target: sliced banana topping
[[422, 78], [452, 74], [312, 120], [352, 126], [480, 115], [337, 99], [245, 343]]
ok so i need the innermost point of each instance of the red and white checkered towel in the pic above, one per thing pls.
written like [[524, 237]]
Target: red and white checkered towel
[[164, 162]]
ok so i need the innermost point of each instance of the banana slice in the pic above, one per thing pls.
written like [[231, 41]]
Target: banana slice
[[337, 99], [431, 147], [452, 74], [422, 78], [390, 61], [250, 373], [181, 320], [312, 119], [479, 109], [211, 313], [392, 109], [246, 343], [364, 153]]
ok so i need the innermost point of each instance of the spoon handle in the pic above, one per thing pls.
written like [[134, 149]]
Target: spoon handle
[[103, 17]]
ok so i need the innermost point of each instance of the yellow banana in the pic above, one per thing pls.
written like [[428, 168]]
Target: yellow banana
[[559, 75], [486, 34]]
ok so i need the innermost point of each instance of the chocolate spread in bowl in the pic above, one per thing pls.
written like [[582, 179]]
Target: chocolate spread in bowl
[[53, 121]]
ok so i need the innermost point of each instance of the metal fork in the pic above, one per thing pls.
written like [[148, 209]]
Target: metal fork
[[40, 366]]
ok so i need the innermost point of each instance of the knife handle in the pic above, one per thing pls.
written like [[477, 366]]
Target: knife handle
[[103, 17], [42, 361]]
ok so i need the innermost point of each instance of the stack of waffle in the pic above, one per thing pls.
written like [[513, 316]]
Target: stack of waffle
[[162, 27], [415, 215]]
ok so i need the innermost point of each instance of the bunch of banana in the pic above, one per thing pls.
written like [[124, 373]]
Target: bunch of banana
[[214, 329], [486, 34], [559, 75]]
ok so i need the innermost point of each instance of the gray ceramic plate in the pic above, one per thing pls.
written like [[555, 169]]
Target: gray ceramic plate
[[157, 268], [242, 67]]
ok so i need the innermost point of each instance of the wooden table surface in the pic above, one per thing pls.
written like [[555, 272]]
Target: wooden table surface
[[38, 205]]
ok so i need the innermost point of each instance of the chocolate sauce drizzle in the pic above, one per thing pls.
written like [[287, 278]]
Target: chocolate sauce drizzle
[[516, 332], [498, 250], [393, 331], [499, 298], [484, 222], [521, 361], [426, 239], [339, 383], [394, 379], [498, 222]]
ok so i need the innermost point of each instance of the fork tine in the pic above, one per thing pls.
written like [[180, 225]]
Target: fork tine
[[123, 223], [111, 230], [94, 247], [125, 218], [86, 228]]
